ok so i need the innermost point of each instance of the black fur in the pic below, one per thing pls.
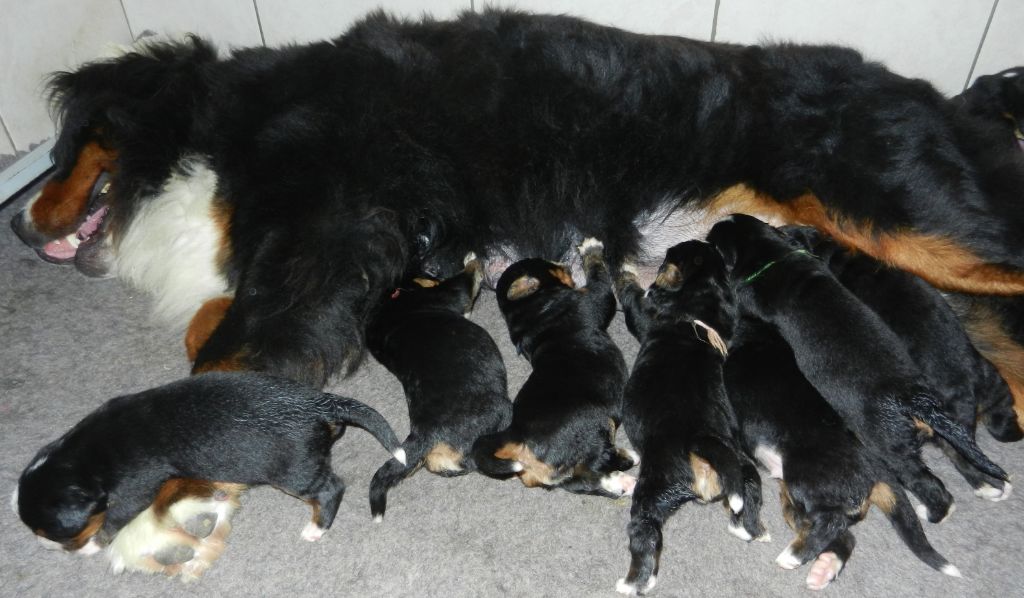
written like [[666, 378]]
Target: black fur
[[565, 416], [452, 373], [846, 352], [675, 408], [968, 386], [248, 429], [401, 145], [829, 479]]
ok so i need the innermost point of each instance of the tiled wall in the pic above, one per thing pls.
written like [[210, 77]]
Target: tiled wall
[[939, 40]]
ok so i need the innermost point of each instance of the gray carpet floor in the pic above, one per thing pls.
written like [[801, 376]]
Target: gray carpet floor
[[68, 343]]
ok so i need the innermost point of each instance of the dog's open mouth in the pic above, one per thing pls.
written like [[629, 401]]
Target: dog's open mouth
[[89, 232]]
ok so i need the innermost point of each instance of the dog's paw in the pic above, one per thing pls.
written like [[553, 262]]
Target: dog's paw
[[824, 570], [312, 532], [624, 587], [788, 560], [992, 493], [618, 483], [469, 257], [590, 245]]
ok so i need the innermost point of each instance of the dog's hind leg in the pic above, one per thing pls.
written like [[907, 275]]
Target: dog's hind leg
[[985, 486], [324, 494], [937, 502], [393, 472], [831, 561], [654, 500], [892, 500], [816, 530], [746, 525]]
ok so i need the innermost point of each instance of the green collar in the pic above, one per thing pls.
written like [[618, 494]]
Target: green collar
[[765, 267]]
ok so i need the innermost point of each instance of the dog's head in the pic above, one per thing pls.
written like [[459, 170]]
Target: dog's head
[[60, 503], [131, 114], [692, 284], [747, 244], [534, 294]]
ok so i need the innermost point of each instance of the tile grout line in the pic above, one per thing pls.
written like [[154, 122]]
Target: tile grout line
[[7, 134], [714, 21], [127, 21], [259, 23], [981, 44]]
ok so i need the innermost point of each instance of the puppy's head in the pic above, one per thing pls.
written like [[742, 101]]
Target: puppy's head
[[998, 99], [747, 243], [692, 284], [61, 504], [533, 294]]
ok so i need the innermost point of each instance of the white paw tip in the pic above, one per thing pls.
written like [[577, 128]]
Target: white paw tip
[[312, 532], [590, 243], [992, 493], [630, 268], [517, 466], [922, 511], [787, 560], [400, 455], [736, 503], [633, 455], [469, 257], [765, 537], [625, 588], [951, 570], [378, 518], [91, 547], [14, 501], [739, 532], [620, 483], [653, 581]]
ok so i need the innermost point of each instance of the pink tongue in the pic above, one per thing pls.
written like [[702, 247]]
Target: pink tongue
[[63, 249]]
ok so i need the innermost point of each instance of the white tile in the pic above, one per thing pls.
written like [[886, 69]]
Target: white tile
[[228, 23], [41, 36], [689, 18], [286, 21], [932, 39], [1003, 48]]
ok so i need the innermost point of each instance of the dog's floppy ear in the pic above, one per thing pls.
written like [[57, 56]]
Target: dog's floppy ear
[[670, 277], [524, 286]]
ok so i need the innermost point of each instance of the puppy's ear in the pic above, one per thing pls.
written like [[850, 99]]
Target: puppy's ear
[[670, 277], [563, 276], [524, 286]]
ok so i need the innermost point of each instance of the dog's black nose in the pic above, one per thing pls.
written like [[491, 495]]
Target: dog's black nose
[[26, 232]]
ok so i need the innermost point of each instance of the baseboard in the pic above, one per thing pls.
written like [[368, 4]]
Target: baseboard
[[26, 169]]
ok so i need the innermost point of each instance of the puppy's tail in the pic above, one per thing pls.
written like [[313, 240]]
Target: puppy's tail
[[893, 501], [926, 408], [483, 455], [393, 472], [350, 411], [717, 470]]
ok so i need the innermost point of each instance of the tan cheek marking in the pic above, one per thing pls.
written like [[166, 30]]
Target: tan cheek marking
[[443, 457], [59, 207], [425, 282], [923, 427], [705, 479], [939, 260], [669, 278], [92, 527], [203, 323]]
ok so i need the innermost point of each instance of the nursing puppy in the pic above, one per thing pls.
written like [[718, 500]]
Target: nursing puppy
[[565, 416], [452, 373], [675, 409], [969, 386], [828, 479], [847, 353], [249, 429]]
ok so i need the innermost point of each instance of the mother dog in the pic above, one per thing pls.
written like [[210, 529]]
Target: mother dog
[[274, 196]]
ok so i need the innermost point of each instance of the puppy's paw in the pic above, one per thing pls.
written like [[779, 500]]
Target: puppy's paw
[[788, 560], [825, 569], [741, 533], [618, 483], [469, 258], [992, 493], [590, 245], [312, 532], [624, 587]]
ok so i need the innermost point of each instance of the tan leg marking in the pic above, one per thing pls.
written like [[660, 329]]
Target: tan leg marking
[[203, 323]]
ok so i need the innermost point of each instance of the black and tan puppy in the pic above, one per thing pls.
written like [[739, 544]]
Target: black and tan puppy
[[968, 385], [828, 479], [250, 429], [675, 409], [847, 353], [565, 416], [452, 373]]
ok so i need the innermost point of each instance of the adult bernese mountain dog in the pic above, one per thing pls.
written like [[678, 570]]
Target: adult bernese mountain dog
[[273, 197]]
